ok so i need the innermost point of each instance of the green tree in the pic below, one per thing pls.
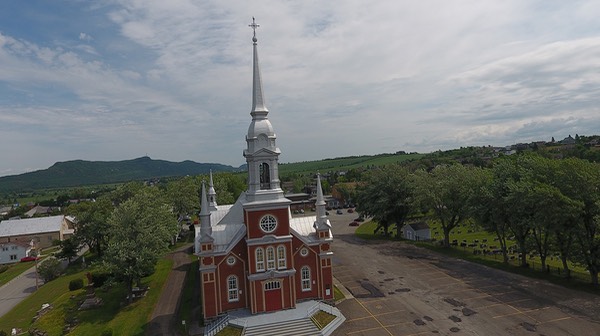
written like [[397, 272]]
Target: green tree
[[139, 232], [69, 249], [446, 192], [91, 222], [49, 269], [183, 195], [580, 181], [387, 196]]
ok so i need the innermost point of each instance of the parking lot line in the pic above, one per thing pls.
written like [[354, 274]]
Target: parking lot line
[[363, 330], [524, 312], [556, 320], [376, 319]]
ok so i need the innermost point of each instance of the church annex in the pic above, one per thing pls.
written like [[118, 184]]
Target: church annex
[[253, 254]]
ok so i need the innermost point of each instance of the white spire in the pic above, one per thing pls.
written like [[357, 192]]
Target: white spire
[[259, 109], [322, 223], [212, 194], [205, 225]]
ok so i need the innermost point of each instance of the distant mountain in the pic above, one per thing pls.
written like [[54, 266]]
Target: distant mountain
[[79, 172]]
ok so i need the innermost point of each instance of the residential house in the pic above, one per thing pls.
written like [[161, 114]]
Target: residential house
[[416, 231]]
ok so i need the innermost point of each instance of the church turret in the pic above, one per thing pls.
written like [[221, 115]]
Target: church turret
[[205, 225], [212, 194], [261, 153], [322, 224]]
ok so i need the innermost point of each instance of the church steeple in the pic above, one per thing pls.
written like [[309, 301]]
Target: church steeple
[[212, 194], [205, 225], [261, 153], [322, 223]]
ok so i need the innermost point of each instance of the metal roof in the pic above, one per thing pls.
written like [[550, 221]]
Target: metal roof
[[17, 227]]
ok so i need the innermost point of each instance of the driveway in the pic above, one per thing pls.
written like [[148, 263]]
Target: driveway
[[400, 289]]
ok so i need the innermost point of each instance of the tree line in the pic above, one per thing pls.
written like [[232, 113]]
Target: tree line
[[548, 206], [130, 228]]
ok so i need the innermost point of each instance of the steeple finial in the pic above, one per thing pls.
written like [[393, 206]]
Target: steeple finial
[[254, 25]]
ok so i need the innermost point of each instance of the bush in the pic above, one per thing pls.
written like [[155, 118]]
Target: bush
[[75, 284], [98, 279], [3, 333], [107, 332], [3, 269], [50, 269]]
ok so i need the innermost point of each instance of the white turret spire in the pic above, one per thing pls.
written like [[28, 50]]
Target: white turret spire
[[205, 225], [212, 194], [259, 109], [322, 223]]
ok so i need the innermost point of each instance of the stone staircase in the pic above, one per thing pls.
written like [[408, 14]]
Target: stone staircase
[[299, 327]]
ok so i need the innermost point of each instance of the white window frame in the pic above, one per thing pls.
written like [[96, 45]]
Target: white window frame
[[268, 223], [305, 278], [232, 289], [260, 259], [281, 260], [270, 258]]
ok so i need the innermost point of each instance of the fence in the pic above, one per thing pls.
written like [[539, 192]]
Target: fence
[[213, 328]]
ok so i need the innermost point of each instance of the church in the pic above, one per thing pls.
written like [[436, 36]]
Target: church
[[253, 254]]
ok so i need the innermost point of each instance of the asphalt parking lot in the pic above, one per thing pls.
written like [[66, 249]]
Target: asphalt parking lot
[[400, 289]]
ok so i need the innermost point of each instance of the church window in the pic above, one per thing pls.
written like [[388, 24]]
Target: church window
[[265, 176], [268, 223], [270, 258], [232, 289], [231, 260], [272, 285], [305, 276], [260, 259], [304, 252], [281, 262]]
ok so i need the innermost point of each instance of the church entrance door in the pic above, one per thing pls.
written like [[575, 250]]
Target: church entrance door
[[273, 295]]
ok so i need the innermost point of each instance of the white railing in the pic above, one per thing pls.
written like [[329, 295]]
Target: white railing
[[213, 328]]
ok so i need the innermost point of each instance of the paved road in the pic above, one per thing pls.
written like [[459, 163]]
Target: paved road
[[400, 289], [16, 290]]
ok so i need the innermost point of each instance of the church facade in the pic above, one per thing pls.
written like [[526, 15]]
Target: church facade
[[254, 254]]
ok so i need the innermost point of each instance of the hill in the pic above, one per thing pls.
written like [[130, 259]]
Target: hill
[[345, 163], [81, 173]]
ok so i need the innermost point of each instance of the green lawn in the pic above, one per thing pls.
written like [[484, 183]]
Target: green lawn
[[345, 163], [322, 319], [112, 315], [14, 270]]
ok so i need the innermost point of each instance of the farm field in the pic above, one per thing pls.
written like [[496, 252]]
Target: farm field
[[346, 163]]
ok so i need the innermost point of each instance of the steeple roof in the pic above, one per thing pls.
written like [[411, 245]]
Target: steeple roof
[[259, 109]]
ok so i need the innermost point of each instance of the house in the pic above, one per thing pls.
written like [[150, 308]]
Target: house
[[13, 252], [416, 231], [43, 230], [39, 211], [253, 254]]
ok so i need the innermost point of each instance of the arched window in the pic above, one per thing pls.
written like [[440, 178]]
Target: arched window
[[232, 289], [270, 258], [305, 276], [281, 262], [260, 259], [265, 176]]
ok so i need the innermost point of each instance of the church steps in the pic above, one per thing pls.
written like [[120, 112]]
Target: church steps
[[299, 327]]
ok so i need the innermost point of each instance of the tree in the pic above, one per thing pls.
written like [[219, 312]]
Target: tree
[[387, 196], [91, 222], [580, 181], [139, 232], [446, 191], [49, 269], [69, 249], [183, 195]]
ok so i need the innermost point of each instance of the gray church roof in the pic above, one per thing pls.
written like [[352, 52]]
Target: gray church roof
[[17, 227]]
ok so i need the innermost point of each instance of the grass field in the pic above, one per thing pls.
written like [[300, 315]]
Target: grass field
[[342, 164], [112, 315]]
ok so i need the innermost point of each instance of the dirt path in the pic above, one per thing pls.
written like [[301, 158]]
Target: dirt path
[[162, 322]]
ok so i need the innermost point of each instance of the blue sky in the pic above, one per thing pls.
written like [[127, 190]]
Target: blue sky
[[115, 80]]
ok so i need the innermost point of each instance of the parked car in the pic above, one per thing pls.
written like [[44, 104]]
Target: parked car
[[355, 223], [339, 212], [26, 259], [359, 219], [350, 210]]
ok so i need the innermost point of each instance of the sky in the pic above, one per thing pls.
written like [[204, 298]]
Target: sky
[[112, 80]]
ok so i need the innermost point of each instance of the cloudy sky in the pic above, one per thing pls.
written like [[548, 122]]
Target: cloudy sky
[[114, 80]]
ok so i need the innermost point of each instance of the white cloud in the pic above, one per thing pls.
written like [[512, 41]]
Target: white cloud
[[339, 79]]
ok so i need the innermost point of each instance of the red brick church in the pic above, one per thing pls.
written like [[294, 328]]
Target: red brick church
[[254, 254]]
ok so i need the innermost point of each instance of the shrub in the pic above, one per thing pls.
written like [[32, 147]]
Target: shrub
[[107, 332], [3, 269], [75, 284], [98, 279], [50, 269], [3, 333]]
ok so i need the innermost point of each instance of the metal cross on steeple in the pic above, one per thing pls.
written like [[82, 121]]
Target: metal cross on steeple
[[254, 25]]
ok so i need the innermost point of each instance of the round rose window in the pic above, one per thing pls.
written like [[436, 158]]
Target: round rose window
[[268, 223]]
